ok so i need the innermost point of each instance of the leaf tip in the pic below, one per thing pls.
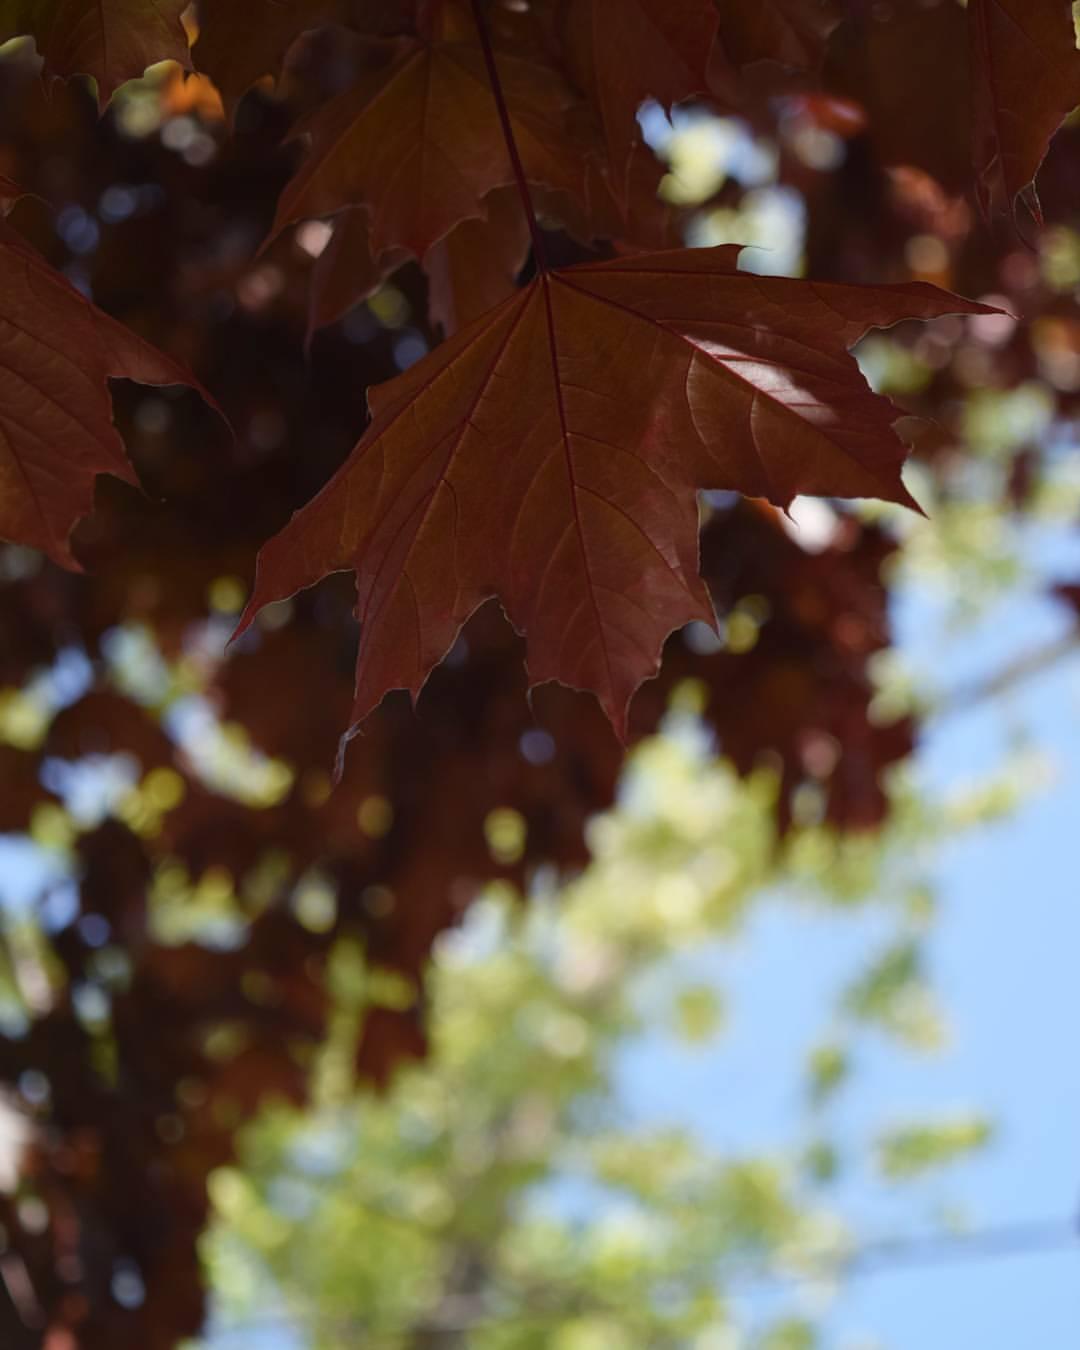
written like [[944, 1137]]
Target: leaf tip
[[246, 619], [338, 772]]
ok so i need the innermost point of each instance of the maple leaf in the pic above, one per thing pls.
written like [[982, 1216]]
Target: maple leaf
[[418, 146], [346, 271], [469, 272], [879, 54], [550, 455], [474, 268], [793, 33], [1025, 72], [239, 44], [57, 353], [111, 40], [805, 685], [634, 50], [631, 214]]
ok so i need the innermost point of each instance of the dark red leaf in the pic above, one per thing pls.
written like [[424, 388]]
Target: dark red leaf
[[550, 455], [419, 146], [1025, 81], [111, 40], [57, 353]]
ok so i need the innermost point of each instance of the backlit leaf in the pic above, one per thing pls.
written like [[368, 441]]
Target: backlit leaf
[[419, 145], [1026, 80], [57, 354], [550, 455], [112, 40]]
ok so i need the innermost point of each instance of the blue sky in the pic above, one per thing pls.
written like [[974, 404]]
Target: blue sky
[[1004, 952]]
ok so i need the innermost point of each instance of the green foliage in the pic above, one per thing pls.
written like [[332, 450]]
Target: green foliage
[[911, 1150], [499, 1196]]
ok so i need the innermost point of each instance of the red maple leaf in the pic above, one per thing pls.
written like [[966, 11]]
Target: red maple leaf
[[57, 354], [240, 43], [633, 50], [792, 33], [1025, 81], [111, 40], [417, 144], [469, 271], [550, 455]]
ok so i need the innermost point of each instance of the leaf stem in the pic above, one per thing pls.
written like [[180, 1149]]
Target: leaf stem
[[427, 16], [508, 135]]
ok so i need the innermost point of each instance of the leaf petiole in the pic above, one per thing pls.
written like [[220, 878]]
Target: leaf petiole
[[508, 135]]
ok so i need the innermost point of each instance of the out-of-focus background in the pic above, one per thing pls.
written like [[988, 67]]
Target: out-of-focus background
[[764, 1038]]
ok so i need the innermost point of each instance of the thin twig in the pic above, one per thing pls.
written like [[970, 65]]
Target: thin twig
[[1024, 667], [1002, 1242]]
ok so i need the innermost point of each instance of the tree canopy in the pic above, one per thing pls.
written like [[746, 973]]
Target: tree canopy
[[390, 428]]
